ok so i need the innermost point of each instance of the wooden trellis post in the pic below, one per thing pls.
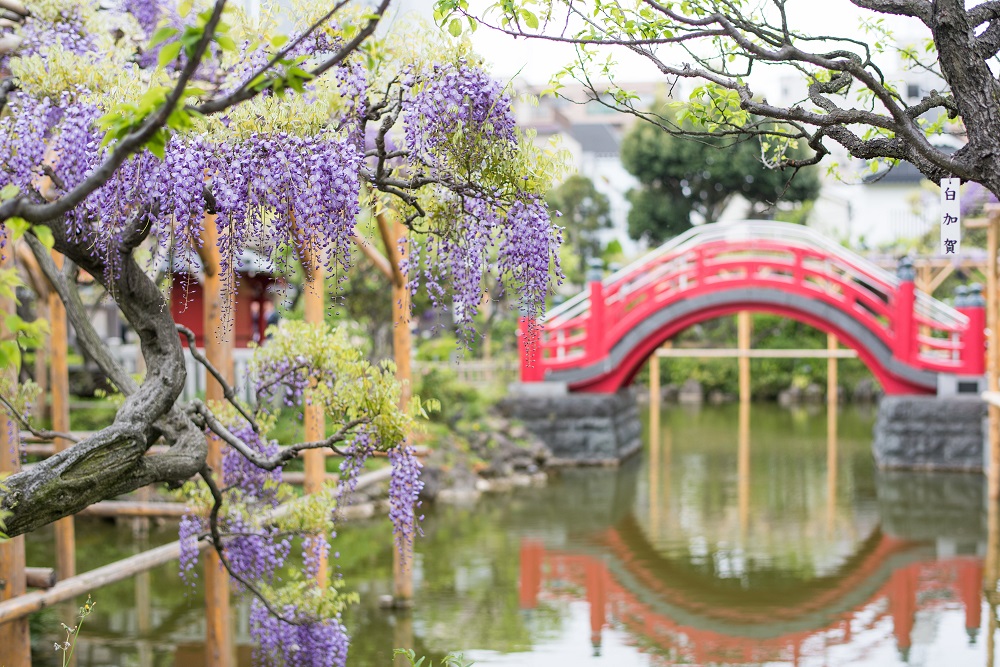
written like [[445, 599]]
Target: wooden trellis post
[[59, 386], [15, 645], [993, 358], [218, 350], [315, 418], [390, 265], [402, 345]]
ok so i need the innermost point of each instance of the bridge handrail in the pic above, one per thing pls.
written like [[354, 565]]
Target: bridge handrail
[[798, 235], [583, 298]]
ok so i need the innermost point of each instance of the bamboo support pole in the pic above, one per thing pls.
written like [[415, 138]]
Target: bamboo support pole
[[743, 326], [315, 418], [735, 353], [402, 345], [14, 638], [131, 508], [59, 387], [993, 360], [40, 577], [217, 300]]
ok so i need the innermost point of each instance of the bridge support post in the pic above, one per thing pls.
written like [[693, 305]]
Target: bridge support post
[[595, 324], [904, 342], [973, 353], [743, 328], [832, 398]]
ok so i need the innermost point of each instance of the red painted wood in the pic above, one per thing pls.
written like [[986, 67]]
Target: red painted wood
[[899, 595], [973, 351], [886, 310], [186, 308]]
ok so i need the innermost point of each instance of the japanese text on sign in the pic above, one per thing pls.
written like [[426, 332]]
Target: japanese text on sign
[[951, 224]]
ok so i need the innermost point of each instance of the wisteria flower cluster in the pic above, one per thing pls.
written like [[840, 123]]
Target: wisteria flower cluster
[[459, 121], [314, 366], [284, 174]]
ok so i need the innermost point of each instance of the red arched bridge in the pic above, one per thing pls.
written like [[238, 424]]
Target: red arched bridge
[[598, 340]]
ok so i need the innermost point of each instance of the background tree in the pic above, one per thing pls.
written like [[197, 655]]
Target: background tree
[[584, 211], [684, 177]]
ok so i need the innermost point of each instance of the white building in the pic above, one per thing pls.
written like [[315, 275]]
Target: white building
[[592, 133]]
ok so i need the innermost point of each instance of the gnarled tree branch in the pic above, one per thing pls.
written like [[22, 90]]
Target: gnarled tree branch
[[286, 454], [227, 391]]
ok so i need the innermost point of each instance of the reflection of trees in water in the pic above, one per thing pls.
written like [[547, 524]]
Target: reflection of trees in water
[[696, 511]]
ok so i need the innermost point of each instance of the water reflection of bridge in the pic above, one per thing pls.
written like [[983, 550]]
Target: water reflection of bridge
[[913, 547], [899, 580]]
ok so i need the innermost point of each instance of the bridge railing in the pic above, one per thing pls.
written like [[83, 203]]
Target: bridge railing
[[920, 330]]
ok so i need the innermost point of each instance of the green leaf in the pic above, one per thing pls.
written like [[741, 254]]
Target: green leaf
[[529, 19], [16, 227], [225, 42], [157, 145], [162, 35], [9, 191], [279, 40], [455, 27], [10, 354], [184, 7], [168, 54], [44, 235]]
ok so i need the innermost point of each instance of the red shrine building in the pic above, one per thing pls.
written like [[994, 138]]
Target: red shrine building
[[255, 282]]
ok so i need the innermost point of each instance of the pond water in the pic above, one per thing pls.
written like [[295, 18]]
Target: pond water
[[736, 538]]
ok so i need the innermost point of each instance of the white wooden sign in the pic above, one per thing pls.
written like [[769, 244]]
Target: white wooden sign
[[951, 222]]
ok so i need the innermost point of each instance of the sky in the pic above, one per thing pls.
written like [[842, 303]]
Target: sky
[[535, 61]]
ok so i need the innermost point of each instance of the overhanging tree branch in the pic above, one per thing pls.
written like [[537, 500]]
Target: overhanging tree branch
[[920, 9], [287, 453], [227, 390], [40, 433]]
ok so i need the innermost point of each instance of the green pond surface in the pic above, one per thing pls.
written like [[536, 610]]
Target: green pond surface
[[718, 545]]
